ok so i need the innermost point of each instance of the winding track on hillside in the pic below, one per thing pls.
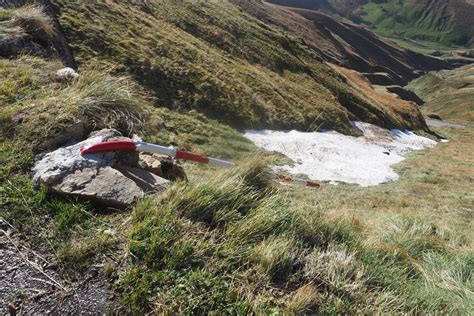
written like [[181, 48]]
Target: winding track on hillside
[[437, 123]]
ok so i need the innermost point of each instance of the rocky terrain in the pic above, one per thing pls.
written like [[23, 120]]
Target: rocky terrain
[[32, 285]]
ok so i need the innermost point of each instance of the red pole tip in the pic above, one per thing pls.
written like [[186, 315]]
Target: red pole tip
[[191, 156], [313, 184], [120, 145]]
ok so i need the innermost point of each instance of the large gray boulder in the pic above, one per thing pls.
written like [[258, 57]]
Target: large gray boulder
[[112, 179]]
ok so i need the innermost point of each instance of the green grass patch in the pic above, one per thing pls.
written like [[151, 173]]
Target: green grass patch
[[331, 251], [417, 22], [448, 93]]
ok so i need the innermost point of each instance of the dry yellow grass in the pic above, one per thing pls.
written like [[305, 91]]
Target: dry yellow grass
[[304, 300], [33, 20]]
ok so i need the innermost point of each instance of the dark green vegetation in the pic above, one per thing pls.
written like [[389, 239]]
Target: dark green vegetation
[[449, 23], [448, 93], [218, 60], [232, 242]]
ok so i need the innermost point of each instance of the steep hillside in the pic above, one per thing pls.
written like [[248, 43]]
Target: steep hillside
[[231, 241], [217, 59], [448, 93], [346, 44], [450, 23]]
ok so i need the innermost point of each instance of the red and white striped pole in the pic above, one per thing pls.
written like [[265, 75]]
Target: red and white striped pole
[[298, 181], [138, 145]]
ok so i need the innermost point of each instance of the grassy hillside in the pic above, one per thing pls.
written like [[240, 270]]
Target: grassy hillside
[[345, 44], [447, 23], [448, 93], [237, 242], [339, 250], [218, 60], [227, 242]]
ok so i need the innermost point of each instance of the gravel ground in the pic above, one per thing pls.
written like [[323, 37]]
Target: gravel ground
[[30, 284]]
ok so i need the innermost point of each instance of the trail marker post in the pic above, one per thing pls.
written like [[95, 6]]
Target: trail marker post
[[138, 145]]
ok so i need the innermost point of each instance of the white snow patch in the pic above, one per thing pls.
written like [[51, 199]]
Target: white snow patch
[[331, 156]]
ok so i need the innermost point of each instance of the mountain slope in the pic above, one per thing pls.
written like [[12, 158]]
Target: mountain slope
[[448, 93], [448, 22], [215, 58], [346, 44]]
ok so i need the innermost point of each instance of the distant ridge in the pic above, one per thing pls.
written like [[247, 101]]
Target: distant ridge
[[346, 44], [449, 22]]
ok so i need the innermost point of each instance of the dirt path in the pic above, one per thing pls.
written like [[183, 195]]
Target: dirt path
[[437, 123], [30, 284]]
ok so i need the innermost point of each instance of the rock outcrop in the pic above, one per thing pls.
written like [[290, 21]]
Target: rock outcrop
[[112, 179], [14, 45], [405, 94], [66, 74]]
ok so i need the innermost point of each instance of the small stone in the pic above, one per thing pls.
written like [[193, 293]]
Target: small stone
[[162, 166], [66, 74]]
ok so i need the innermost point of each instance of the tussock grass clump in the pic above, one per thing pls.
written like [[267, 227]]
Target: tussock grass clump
[[449, 279], [224, 199], [305, 300], [31, 19], [238, 227], [335, 267], [44, 107], [415, 237], [277, 255], [105, 100]]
